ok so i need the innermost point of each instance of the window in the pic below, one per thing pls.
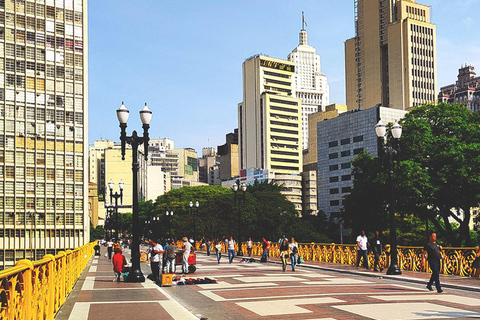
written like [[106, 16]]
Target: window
[[333, 155], [357, 151], [345, 153], [334, 203], [346, 177], [334, 191], [357, 138], [346, 189], [332, 144], [333, 179], [333, 167], [346, 165], [345, 141]]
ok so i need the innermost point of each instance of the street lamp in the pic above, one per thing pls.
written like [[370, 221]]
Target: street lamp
[[380, 130], [169, 217], [243, 187], [134, 140], [155, 227], [116, 196], [194, 220]]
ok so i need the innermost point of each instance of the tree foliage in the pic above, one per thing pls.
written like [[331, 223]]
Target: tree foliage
[[263, 212], [437, 174]]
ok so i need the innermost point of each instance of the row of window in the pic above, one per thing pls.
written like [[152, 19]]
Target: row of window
[[42, 204], [39, 158], [421, 29], [49, 233], [345, 165], [344, 190], [345, 141], [52, 100], [422, 63], [63, 8], [275, 74], [345, 177]]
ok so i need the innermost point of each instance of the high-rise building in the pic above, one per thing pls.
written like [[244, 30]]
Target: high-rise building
[[270, 124], [228, 156], [465, 90], [340, 140], [310, 83], [208, 167], [43, 128], [392, 59]]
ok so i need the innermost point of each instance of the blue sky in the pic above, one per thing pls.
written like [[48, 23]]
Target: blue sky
[[184, 58]]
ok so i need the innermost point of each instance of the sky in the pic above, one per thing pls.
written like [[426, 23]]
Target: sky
[[184, 58]]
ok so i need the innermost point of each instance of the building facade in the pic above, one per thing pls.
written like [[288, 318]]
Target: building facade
[[270, 124], [340, 140], [465, 90], [158, 182], [392, 59], [228, 157], [310, 83], [44, 126], [209, 167]]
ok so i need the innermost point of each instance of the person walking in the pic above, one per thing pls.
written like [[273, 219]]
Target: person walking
[[266, 248], [362, 249], [156, 257], [226, 245], [284, 253], [293, 252], [170, 252], [231, 249], [433, 249], [249, 247], [218, 250], [187, 248], [119, 263], [377, 251], [209, 244], [109, 249]]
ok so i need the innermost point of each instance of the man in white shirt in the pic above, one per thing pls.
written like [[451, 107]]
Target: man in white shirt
[[109, 249], [187, 247], [231, 249], [362, 249], [156, 257]]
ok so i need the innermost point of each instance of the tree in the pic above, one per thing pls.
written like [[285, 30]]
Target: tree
[[96, 233], [437, 175]]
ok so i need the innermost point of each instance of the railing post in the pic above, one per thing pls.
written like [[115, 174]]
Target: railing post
[[50, 307], [27, 288]]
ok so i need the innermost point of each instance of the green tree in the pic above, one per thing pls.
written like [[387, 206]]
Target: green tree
[[437, 175], [96, 233]]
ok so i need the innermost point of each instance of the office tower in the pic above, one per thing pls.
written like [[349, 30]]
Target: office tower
[[228, 156], [43, 128], [270, 124], [465, 90], [339, 141], [392, 59], [208, 167], [310, 83]]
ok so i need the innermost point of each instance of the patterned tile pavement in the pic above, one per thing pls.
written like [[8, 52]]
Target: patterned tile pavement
[[264, 291]]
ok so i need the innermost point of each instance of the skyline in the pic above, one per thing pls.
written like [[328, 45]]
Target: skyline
[[185, 60]]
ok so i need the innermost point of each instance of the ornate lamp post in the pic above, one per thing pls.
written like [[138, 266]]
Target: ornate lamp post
[[243, 187], [116, 196], [155, 221], [169, 217], [134, 140], [391, 152], [194, 220]]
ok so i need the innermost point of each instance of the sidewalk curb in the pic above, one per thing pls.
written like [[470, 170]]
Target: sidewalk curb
[[372, 275]]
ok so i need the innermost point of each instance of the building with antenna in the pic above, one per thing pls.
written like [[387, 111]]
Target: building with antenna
[[392, 60], [310, 84]]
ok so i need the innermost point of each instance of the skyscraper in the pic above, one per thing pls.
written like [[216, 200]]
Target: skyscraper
[[270, 126], [43, 128], [310, 83], [392, 59]]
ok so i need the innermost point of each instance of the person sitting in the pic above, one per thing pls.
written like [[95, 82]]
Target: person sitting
[[119, 263]]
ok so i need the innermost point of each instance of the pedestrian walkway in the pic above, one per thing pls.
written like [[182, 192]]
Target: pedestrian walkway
[[97, 297], [447, 281]]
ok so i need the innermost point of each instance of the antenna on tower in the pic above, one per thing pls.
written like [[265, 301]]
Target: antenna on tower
[[304, 23]]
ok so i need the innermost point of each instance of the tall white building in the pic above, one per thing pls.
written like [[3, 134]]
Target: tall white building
[[310, 83], [43, 128]]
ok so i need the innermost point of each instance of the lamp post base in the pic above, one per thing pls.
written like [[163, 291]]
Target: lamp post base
[[135, 276], [394, 270]]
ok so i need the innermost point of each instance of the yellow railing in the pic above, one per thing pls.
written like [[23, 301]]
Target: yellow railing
[[455, 261], [37, 290]]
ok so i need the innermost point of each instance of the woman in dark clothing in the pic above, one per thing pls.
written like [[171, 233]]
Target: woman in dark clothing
[[284, 253]]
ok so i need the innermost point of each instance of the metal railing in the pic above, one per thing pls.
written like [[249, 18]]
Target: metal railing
[[37, 290], [455, 261]]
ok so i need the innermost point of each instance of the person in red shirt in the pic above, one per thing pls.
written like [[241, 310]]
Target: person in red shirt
[[119, 263]]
